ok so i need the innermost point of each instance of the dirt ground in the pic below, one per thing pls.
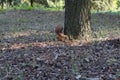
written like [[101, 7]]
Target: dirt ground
[[29, 51]]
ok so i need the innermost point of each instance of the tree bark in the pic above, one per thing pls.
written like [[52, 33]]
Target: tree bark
[[2, 3], [44, 2], [77, 19], [31, 3], [10, 3]]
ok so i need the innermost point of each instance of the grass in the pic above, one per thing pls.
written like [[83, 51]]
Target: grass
[[25, 26], [38, 18], [103, 24], [35, 7]]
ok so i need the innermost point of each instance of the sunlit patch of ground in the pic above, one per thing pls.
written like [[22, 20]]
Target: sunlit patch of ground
[[29, 50]]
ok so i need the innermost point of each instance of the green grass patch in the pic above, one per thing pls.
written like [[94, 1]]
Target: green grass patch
[[25, 6]]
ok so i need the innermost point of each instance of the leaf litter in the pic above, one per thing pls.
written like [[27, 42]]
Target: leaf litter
[[35, 55]]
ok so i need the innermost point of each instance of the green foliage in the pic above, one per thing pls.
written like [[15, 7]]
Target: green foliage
[[99, 5], [118, 3], [25, 4], [104, 5], [16, 2], [56, 4], [22, 7]]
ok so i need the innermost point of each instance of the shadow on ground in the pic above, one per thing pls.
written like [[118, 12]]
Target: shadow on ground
[[37, 56], [40, 60]]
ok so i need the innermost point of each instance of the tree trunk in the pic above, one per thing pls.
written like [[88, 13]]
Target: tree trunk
[[77, 19], [10, 3], [44, 2], [2, 3], [31, 3]]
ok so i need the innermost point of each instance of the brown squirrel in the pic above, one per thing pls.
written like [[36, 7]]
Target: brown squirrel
[[59, 32]]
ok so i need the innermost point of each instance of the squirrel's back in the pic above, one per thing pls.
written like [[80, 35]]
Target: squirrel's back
[[59, 32], [58, 29]]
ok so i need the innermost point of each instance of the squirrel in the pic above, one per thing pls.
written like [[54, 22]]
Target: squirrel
[[59, 32]]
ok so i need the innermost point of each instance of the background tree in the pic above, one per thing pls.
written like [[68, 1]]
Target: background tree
[[2, 3], [104, 5], [99, 5], [44, 2], [77, 19], [31, 3]]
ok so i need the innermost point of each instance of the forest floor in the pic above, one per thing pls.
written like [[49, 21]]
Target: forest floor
[[29, 51]]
